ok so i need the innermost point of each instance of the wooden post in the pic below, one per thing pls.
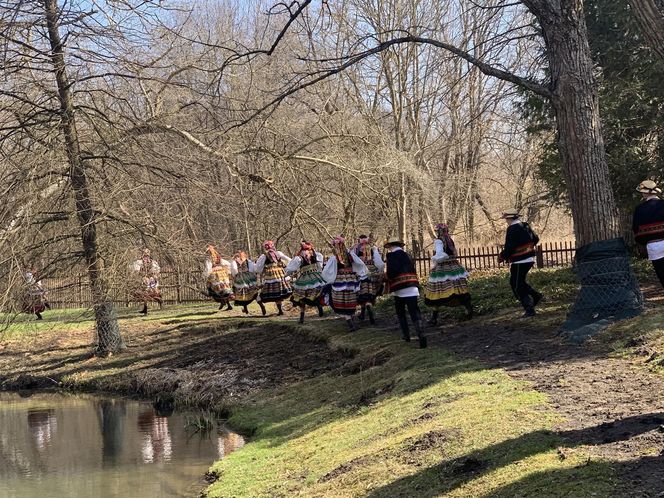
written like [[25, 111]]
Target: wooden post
[[80, 291], [178, 285], [539, 256]]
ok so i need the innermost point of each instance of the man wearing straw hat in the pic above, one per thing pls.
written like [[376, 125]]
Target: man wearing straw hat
[[402, 281], [648, 225], [519, 251]]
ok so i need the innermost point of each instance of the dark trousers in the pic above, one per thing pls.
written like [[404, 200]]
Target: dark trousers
[[524, 292], [658, 264], [400, 305]]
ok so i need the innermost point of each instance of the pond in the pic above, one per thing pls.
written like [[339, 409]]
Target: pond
[[57, 445]]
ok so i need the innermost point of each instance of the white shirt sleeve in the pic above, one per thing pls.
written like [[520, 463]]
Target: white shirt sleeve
[[226, 263], [378, 259], [440, 254], [294, 264], [251, 265], [155, 267], [358, 266], [208, 266], [330, 270], [135, 266], [283, 257], [234, 269], [320, 259], [260, 263]]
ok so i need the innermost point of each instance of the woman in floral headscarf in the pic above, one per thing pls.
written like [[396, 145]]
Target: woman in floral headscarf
[[218, 278], [270, 265], [309, 284], [343, 271], [372, 286], [246, 284], [448, 280]]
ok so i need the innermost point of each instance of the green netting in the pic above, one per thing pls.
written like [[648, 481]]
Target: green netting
[[609, 289]]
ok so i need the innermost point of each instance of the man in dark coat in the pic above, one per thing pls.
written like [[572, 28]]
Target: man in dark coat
[[402, 281], [519, 251], [648, 225]]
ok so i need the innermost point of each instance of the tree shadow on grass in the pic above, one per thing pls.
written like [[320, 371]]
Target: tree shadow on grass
[[644, 474]]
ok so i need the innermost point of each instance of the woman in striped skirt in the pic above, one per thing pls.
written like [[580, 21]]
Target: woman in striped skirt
[[270, 266], [218, 278], [372, 286], [343, 271], [309, 285], [246, 284], [448, 280]]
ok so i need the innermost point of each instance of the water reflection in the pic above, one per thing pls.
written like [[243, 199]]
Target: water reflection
[[65, 446], [43, 425]]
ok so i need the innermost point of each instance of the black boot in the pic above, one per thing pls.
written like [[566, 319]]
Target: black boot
[[470, 312], [528, 307], [229, 307], [362, 312], [281, 310], [245, 310], [320, 310], [301, 317], [144, 311], [39, 315], [420, 334], [47, 306], [433, 321], [537, 297], [372, 318], [221, 306], [262, 306], [351, 325]]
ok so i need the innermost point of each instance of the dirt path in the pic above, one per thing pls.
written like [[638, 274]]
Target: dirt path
[[611, 406]]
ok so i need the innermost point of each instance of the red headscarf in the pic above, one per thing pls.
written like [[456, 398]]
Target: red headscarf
[[363, 248], [307, 252], [215, 257], [270, 251], [338, 244], [240, 257], [443, 233]]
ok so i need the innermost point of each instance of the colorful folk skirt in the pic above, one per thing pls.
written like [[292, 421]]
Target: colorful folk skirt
[[371, 287], [219, 285], [246, 287], [344, 291], [447, 285], [309, 287], [33, 301], [275, 285], [147, 291]]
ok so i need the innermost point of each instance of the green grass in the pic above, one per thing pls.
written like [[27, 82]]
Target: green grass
[[422, 423]]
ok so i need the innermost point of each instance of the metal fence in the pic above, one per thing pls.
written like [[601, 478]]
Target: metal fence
[[187, 286]]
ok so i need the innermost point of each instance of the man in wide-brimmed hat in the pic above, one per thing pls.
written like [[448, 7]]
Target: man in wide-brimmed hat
[[519, 251], [402, 281], [648, 225]]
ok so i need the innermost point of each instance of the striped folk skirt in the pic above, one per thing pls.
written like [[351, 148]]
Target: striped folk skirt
[[147, 291], [371, 287], [344, 291], [309, 287], [275, 285], [219, 285], [33, 301], [246, 286], [447, 285]]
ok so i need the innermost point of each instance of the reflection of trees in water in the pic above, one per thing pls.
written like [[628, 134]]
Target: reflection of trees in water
[[111, 414], [43, 425], [228, 442], [157, 445]]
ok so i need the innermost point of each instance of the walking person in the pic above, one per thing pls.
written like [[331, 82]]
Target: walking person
[[648, 225], [344, 271], [372, 286], [218, 278], [270, 266], [34, 297], [402, 281], [246, 283], [147, 290], [309, 285], [519, 251], [447, 284]]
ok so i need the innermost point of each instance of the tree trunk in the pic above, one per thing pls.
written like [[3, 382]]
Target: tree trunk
[[109, 339], [650, 16], [580, 141]]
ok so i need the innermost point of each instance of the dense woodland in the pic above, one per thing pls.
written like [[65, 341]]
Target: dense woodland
[[127, 123]]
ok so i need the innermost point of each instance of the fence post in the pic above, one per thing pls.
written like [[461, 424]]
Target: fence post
[[178, 284], [539, 256], [80, 291]]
